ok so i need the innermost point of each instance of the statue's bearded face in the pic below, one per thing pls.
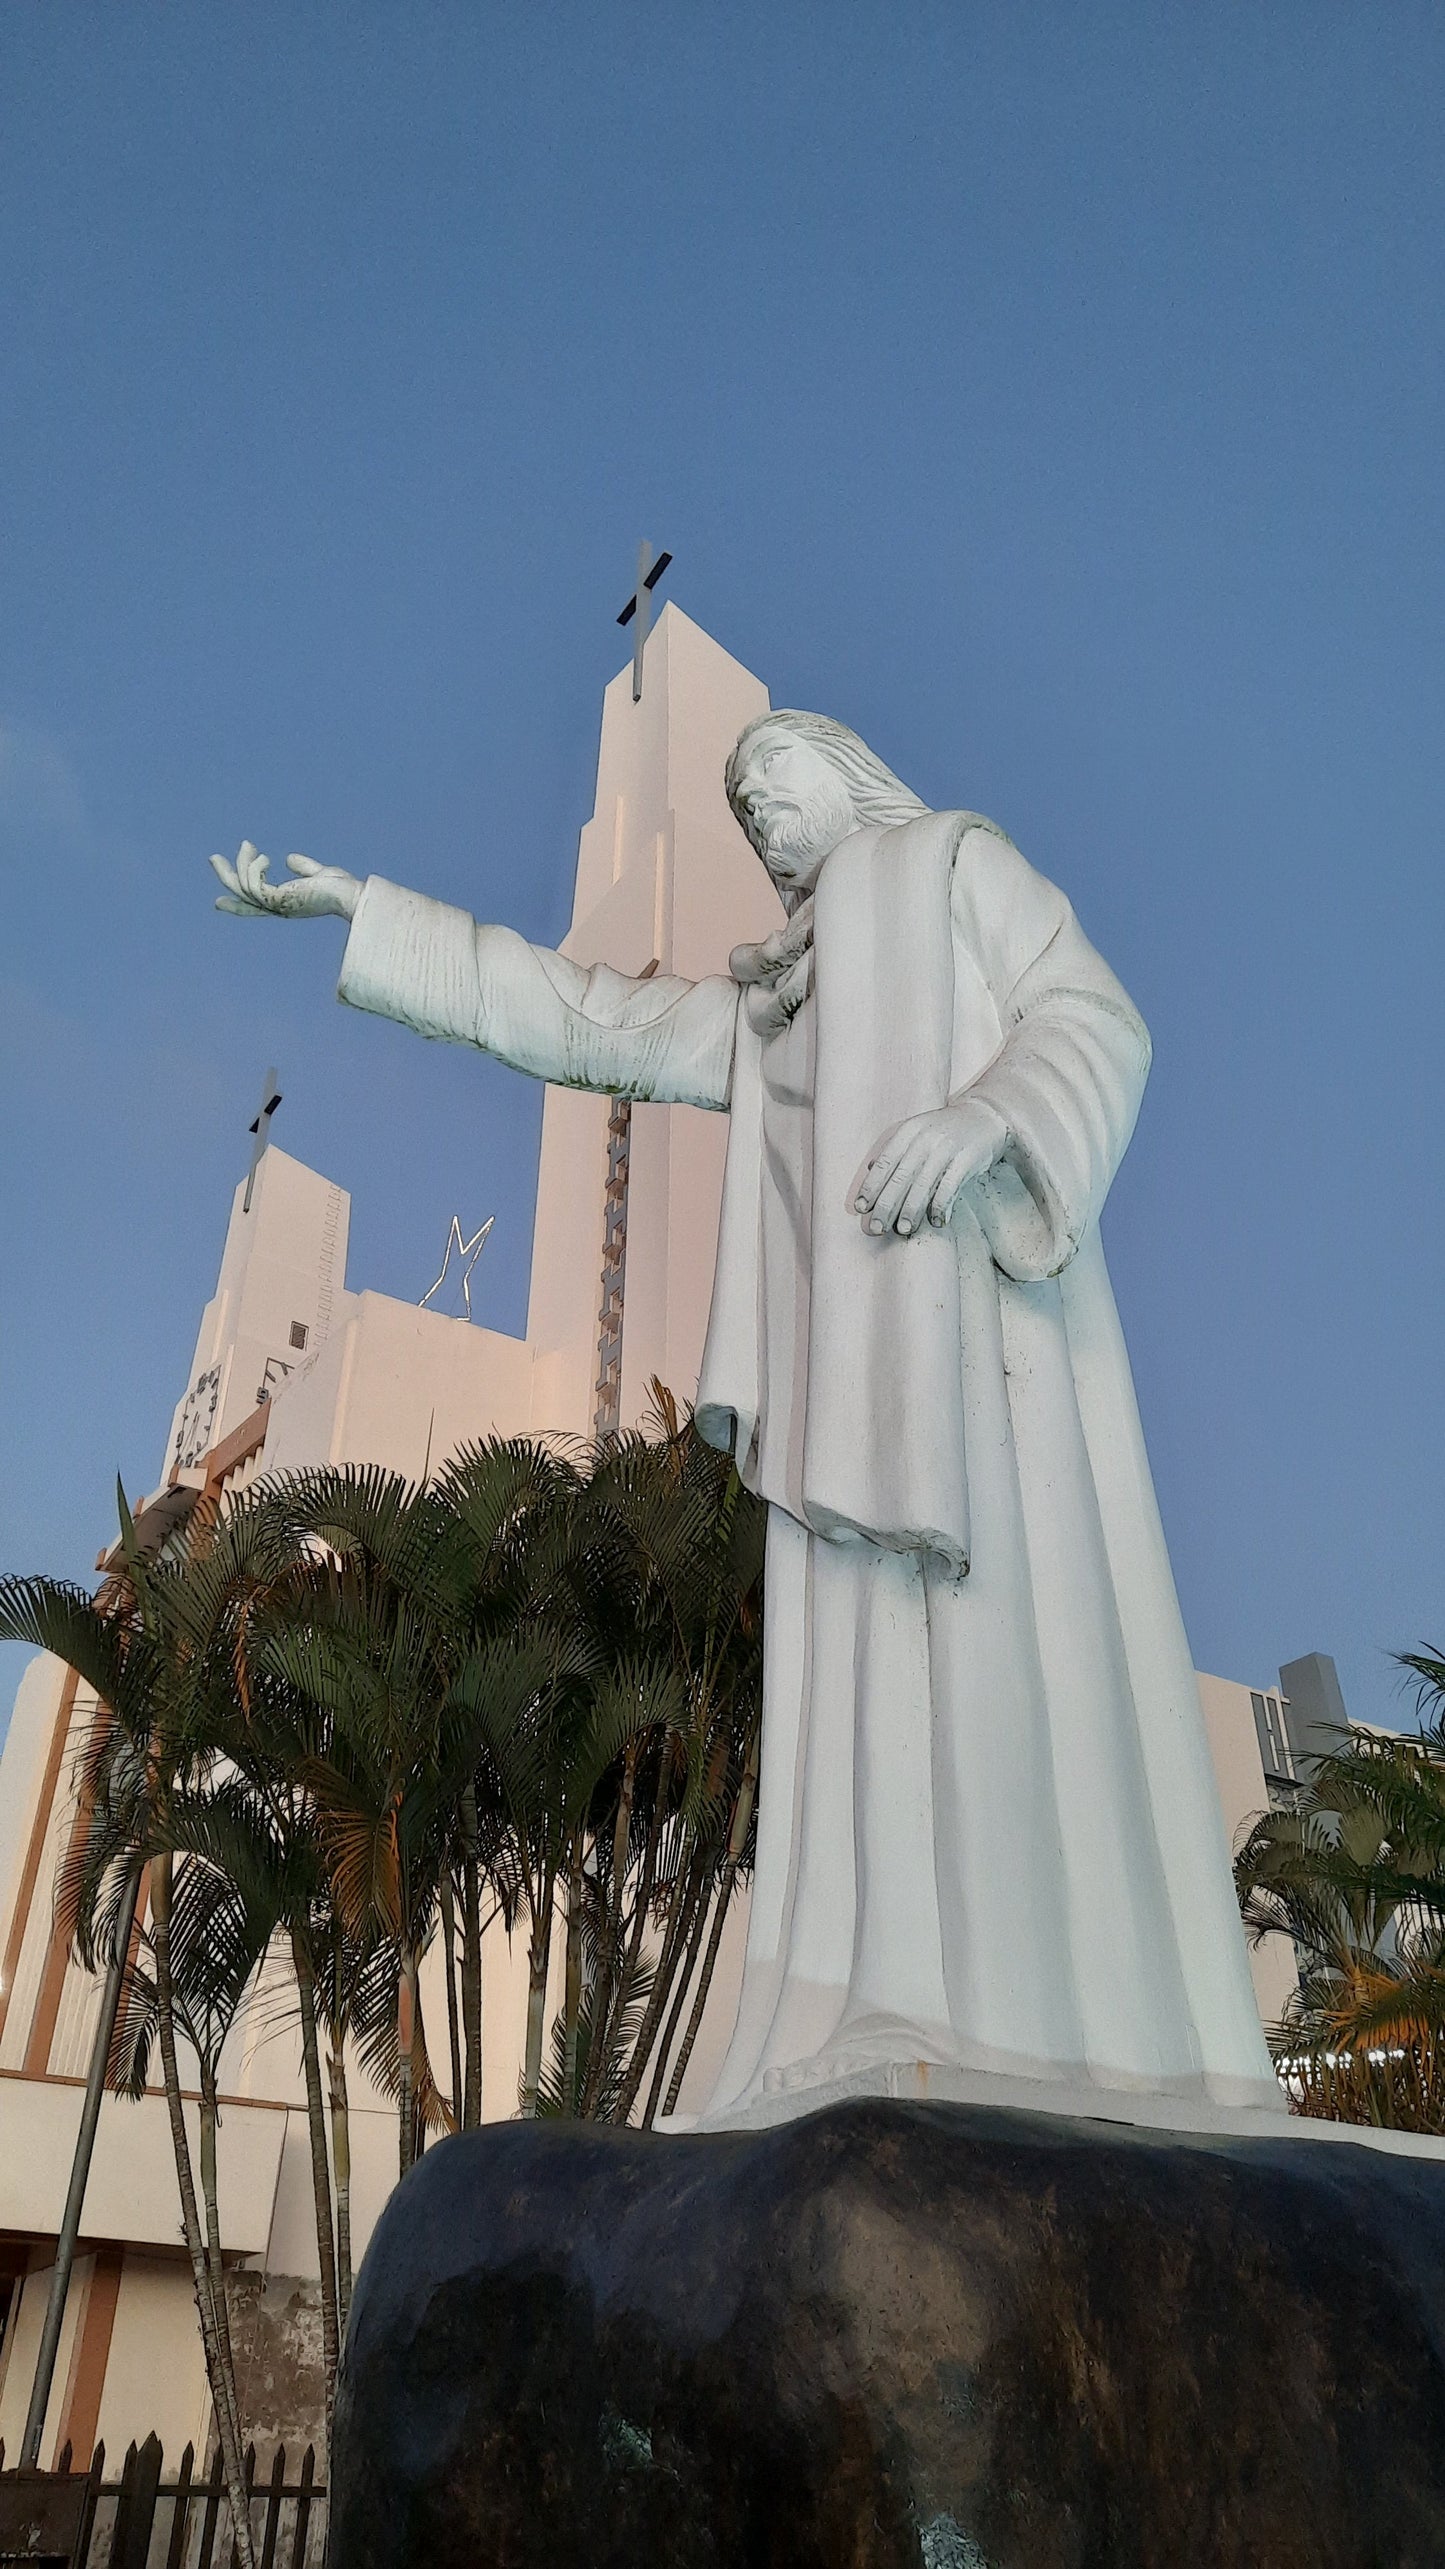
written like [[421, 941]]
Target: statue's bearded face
[[794, 806]]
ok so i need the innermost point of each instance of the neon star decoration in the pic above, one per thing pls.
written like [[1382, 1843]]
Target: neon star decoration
[[470, 1250]]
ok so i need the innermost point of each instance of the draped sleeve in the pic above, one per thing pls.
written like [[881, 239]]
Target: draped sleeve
[[583, 1026], [1069, 1072]]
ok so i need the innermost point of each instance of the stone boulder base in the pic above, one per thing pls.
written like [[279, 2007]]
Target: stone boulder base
[[898, 2333]]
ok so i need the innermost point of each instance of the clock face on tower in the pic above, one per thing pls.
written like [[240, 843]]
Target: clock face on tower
[[198, 1419]]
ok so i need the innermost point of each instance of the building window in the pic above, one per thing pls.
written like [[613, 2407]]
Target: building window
[[1275, 1753], [298, 1333]]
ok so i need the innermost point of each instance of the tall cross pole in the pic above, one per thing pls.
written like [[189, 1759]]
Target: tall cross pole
[[607, 1417], [270, 1100], [639, 607]]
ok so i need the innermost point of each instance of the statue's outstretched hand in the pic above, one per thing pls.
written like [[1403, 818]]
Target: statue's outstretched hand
[[317, 892], [920, 1169]]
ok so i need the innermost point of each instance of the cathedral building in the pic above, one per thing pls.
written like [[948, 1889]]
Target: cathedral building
[[294, 1366]]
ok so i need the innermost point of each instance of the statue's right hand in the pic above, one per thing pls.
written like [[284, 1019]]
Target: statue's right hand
[[777, 954], [318, 891]]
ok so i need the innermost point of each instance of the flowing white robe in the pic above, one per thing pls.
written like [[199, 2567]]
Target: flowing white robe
[[989, 1837]]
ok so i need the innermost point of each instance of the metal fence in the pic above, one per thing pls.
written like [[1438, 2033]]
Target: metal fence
[[66, 2519]]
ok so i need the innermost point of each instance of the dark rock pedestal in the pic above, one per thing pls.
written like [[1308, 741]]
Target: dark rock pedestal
[[898, 2333]]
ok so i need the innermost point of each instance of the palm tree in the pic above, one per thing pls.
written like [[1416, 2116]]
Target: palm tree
[[399, 1640], [1354, 1874], [356, 1645], [148, 1647], [739, 1848], [674, 1554], [246, 1813], [355, 1998], [217, 1941], [345, 1709], [551, 1737], [509, 1557]]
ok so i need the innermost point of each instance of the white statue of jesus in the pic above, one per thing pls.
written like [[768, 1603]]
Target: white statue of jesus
[[989, 1838]]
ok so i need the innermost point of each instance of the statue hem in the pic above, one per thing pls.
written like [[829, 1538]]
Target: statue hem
[[1070, 2096]]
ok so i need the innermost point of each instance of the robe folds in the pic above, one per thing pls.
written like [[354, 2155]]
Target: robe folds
[[989, 1836]]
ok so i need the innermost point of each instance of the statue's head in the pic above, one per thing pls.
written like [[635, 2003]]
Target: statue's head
[[799, 784]]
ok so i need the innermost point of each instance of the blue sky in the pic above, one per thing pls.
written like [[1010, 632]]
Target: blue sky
[[1053, 392]]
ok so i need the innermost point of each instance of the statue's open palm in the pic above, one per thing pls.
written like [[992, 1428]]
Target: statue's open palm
[[316, 892]]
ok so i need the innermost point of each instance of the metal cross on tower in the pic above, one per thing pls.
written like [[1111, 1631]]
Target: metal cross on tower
[[639, 605], [270, 1100]]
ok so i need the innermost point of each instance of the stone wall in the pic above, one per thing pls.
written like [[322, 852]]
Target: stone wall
[[276, 2337]]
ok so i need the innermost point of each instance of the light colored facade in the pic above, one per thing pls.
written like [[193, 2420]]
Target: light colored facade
[[292, 1368]]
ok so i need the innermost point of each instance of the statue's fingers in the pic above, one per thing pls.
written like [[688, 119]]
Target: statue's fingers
[[889, 1198], [943, 1199], [909, 1217], [225, 873], [879, 1169], [875, 1176], [240, 907], [797, 936], [955, 1176], [305, 864], [253, 868], [872, 1183], [792, 990]]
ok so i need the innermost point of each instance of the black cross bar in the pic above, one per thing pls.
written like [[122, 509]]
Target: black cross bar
[[270, 1100], [639, 605]]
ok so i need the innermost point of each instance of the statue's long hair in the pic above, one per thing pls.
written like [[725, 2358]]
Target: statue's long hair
[[876, 793]]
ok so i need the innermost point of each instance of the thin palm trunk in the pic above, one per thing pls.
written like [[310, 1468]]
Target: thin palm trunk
[[737, 1840], [405, 2040], [679, 1928], [210, 2197], [449, 1954], [320, 2172], [223, 2389], [420, 2069], [572, 1989], [341, 2171], [471, 1962], [641, 1910], [538, 1955], [612, 1929], [684, 1983], [709, 1965]]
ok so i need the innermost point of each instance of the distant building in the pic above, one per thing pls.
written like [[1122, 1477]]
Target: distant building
[[1315, 1721]]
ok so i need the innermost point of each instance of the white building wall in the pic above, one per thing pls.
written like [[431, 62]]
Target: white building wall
[[403, 1388], [22, 2346], [155, 2380], [22, 1774], [43, 1701], [282, 1273]]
